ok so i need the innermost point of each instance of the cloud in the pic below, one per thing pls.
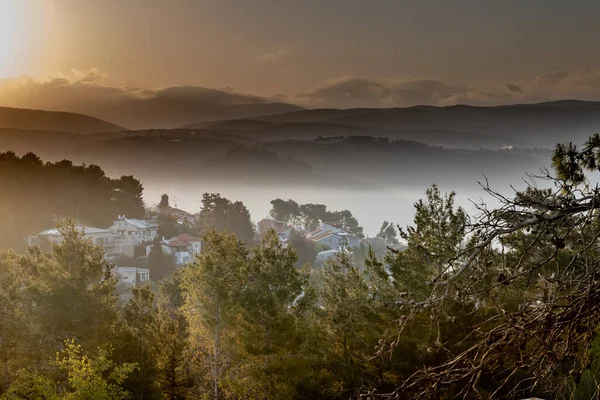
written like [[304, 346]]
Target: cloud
[[87, 93], [404, 92], [364, 92], [513, 88], [584, 85], [276, 55]]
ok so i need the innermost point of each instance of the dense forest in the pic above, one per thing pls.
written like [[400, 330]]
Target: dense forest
[[503, 304]]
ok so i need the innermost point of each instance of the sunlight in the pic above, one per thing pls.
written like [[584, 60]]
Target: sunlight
[[11, 23]]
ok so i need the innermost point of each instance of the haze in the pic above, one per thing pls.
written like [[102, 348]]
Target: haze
[[147, 64]]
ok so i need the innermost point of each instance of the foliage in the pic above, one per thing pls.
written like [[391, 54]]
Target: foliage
[[309, 215], [35, 194], [168, 226], [92, 378], [503, 304], [388, 233], [306, 250], [211, 288], [222, 214], [164, 202], [160, 264]]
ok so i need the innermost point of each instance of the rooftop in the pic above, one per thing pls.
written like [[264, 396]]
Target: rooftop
[[81, 228], [130, 269], [141, 224], [182, 240]]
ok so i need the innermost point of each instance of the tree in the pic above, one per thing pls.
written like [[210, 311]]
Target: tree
[[287, 211], [532, 266], [71, 293], [80, 376], [160, 264], [36, 194], [272, 303], [437, 237], [388, 233], [15, 328], [306, 249], [164, 202], [347, 317], [171, 345], [221, 214], [138, 343], [27, 385], [211, 289], [92, 378], [168, 226], [309, 215]]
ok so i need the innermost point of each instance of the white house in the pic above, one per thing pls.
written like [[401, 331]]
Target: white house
[[183, 247], [139, 230], [131, 276], [282, 229], [323, 228], [114, 246], [336, 240]]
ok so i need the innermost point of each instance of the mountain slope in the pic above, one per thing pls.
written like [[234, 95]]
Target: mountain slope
[[160, 114], [529, 125], [53, 121]]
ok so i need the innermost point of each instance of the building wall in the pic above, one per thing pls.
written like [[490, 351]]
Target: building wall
[[113, 247], [138, 235]]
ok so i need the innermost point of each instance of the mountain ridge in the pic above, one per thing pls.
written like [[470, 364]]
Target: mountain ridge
[[529, 125], [59, 121]]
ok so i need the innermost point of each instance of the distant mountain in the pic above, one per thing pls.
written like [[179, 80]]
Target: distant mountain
[[160, 114], [524, 125], [18, 118]]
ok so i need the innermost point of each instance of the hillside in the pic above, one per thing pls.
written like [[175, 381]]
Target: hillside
[[523, 125], [226, 156], [158, 113], [18, 118]]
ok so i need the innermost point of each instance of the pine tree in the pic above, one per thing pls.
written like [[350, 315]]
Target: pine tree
[[272, 303], [347, 315], [211, 288]]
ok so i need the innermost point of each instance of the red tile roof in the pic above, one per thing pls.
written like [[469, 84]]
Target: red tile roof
[[182, 240]]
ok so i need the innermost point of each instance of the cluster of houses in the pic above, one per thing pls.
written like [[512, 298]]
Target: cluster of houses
[[120, 240], [124, 235], [329, 235]]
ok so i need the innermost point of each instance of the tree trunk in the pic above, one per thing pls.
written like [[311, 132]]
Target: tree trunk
[[217, 353]]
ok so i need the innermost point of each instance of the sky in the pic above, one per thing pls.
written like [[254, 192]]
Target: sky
[[315, 53]]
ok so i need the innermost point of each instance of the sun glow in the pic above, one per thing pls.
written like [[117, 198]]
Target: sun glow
[[12, 20]]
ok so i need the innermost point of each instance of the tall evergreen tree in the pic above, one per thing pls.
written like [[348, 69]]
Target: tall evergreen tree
[[273, 301], [211, 288]]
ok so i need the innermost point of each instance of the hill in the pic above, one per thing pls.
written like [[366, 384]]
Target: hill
[[462, 126], [157, 113], [18, 118], [200, 156]]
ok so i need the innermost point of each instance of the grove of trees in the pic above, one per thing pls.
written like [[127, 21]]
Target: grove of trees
[[36, 194]]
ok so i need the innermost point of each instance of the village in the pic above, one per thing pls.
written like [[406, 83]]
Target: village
[[128, 243]]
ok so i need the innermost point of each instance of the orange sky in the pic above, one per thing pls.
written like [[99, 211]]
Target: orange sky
[[304, 49]]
